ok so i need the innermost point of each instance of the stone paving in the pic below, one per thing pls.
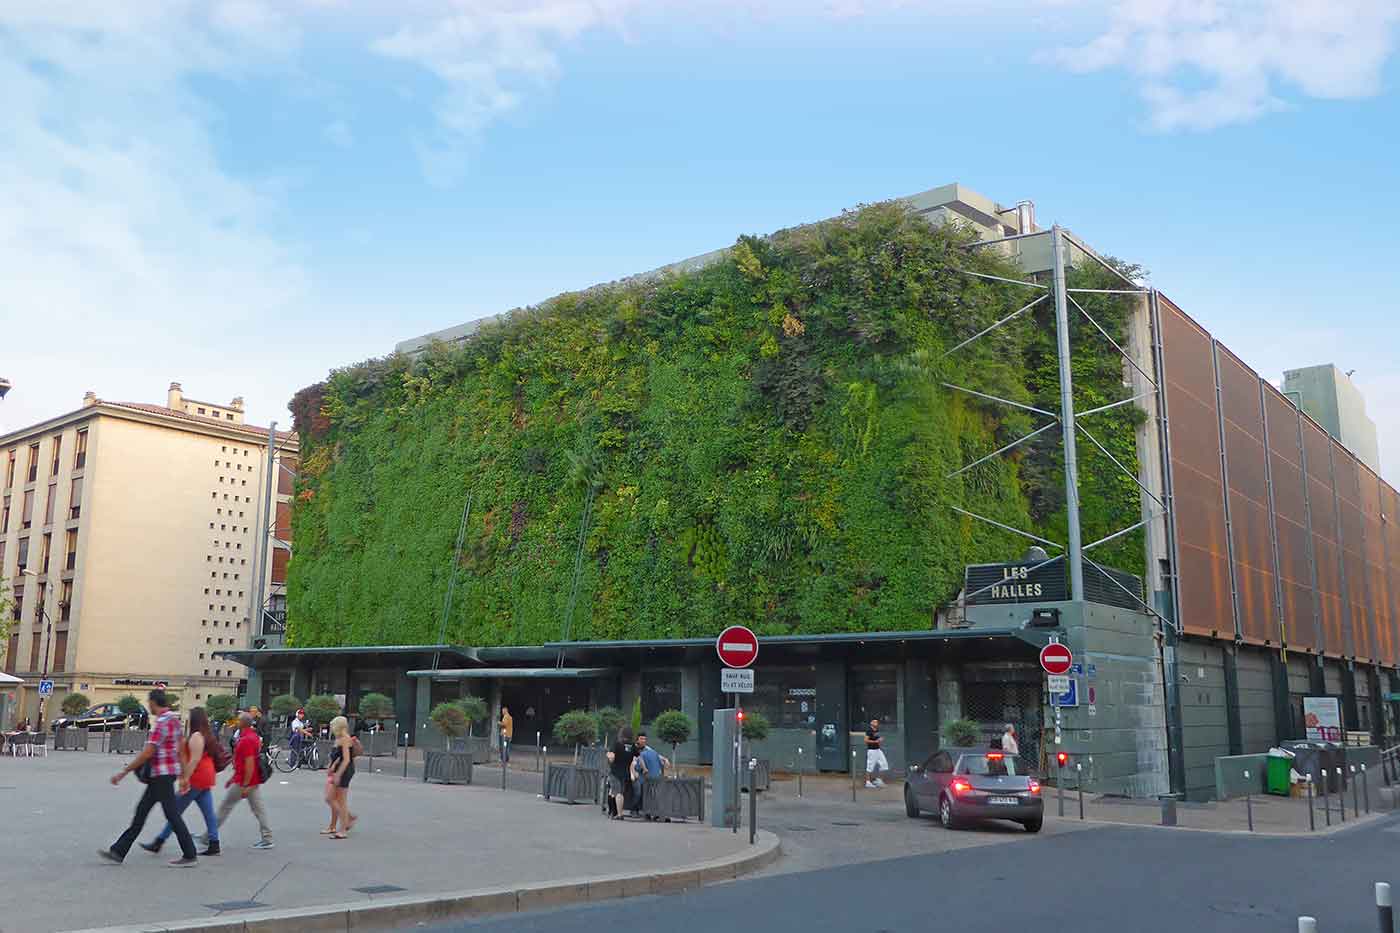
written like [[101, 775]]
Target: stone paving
[[421, 838]]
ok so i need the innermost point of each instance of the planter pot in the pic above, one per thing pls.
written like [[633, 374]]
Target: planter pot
[[594, 758], [447, 767], [762, 775], [479, 747], [380, 743], [71, 739], [572, 783], [128, 741], [678, 799]]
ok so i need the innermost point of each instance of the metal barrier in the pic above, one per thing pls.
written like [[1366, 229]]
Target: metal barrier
[[447, 767]]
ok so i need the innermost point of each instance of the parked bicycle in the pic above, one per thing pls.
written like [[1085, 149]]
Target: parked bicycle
[[308, 756]]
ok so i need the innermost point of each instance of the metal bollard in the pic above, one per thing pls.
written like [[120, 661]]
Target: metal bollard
[[799, 772], [853, 775], [1168, 810], [1079, 786], [1312, 817], [1365, 789], [405, 755], [1355, 802], [1326, 803], [544, 776], [1307, 925], [1341, 796], [1383, 908], [538, 764], [1249, 805], [1060, 792], [753, 800]]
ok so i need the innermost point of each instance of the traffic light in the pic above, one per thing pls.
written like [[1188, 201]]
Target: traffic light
[[1061, 759], [739, 715]]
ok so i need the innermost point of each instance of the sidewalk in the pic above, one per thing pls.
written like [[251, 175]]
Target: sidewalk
[[412, 839]]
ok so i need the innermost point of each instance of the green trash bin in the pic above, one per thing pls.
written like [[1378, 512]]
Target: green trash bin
[[1278, 773]]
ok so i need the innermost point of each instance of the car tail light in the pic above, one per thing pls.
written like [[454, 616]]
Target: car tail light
[[1035, 787], [995, 756], [961, 787]]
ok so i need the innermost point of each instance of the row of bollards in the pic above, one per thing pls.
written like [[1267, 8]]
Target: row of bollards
[[1384, 913]]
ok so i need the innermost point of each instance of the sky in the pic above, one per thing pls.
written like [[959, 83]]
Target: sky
[[241, 195]]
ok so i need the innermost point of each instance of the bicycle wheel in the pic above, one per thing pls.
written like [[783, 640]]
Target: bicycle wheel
[[311, 757], [286, 765]]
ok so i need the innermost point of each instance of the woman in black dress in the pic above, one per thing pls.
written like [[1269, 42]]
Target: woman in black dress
[[338, 776]]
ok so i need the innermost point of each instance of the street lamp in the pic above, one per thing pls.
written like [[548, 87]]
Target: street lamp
[[48, 633]]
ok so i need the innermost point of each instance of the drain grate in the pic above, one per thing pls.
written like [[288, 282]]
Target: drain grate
[[235, 905], [800, 829], [378, 889], [843, 823]]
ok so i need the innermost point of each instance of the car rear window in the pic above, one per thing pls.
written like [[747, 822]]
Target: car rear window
[[992, 765]]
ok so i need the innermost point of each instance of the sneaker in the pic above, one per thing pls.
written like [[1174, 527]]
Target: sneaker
[[184, 862], [264, 844], [879, 783], [110, 856], [870, 785], [213, 849], [151, 847]]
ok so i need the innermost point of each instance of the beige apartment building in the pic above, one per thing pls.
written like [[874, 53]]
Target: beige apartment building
[[129, 538]]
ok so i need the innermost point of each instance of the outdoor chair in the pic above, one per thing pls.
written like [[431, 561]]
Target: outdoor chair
[[38, 742]]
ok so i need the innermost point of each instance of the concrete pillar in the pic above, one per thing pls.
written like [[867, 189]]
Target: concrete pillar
[[420, 730], [253, 694], [948, 680], [1233, 727]]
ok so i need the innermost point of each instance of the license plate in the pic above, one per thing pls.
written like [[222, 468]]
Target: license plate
[[1012, 801]]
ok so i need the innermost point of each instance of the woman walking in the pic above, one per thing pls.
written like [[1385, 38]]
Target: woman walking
[[196, 781], [338, 776]]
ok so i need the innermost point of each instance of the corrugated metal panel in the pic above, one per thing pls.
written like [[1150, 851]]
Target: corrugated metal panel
[[1335, 634], [1257, 731], [1291, 522], [1353, 565], [1373, 553], [1391, 547], [1249, 501], [1203, 573]]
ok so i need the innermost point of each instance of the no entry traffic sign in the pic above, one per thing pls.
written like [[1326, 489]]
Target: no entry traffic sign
[[1055, 659], [737, 646]]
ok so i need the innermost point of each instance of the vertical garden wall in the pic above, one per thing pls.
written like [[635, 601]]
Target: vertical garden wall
[[765, 440]]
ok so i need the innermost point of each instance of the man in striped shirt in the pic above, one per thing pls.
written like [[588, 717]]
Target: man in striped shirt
[[163, 752]]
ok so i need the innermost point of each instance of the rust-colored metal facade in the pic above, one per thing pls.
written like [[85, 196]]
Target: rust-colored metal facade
[[1283, 537]]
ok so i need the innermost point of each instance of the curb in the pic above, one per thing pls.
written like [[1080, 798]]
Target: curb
[[389, 912]]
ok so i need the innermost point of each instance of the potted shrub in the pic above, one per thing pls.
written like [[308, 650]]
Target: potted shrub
[[130, 706], [448, 766], [577, 727], [71, 737], [285, 705], [962, 733], [675, 728], [609, 720], [221, 707], [75, 704], [377, 707]]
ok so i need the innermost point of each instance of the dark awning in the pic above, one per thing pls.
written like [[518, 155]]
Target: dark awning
[[538, 673]]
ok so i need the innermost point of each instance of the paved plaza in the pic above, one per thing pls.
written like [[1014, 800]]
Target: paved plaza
[[421, 838]]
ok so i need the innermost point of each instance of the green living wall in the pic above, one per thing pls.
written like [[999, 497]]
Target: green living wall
[[765, 440]]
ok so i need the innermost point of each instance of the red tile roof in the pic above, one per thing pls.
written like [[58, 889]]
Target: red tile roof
[[249, 429]]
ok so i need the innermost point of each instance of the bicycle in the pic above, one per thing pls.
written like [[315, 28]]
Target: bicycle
[[308, 756]]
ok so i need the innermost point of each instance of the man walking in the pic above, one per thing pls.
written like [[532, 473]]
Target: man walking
[[1008, 740], [507, 733], [875, 761], [163, 752], [247, 780]]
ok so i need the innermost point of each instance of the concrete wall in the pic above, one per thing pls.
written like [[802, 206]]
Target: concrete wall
[[1205, 730]]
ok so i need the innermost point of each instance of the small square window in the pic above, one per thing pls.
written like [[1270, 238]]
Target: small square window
[[206, 591], [206, 670], [224, 448], [211, 607], [208, 641], [207, 558], [213, 495], [198, 696], [204, 622]]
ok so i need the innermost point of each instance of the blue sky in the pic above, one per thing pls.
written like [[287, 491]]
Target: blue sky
[[241, 194]]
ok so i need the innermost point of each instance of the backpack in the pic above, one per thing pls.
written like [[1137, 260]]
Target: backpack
[[220, 755], [264, 765], [356, 749]]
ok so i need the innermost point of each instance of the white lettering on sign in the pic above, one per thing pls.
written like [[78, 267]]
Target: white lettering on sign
[[740, 646], [736, 680], [1058, 683]]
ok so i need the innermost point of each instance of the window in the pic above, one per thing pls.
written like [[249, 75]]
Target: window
[[787, 696], [223, 448], [80, 450], [33, 463], [18, 603], [75, 498], [72, 549], [65, 600], [10, 469], [60, 650], [206, 670], [873, 695], [201, 654], [34, 654], [45, 545], [26, 516], [48, 506], [5, 516], [211, 525], [22, 560], [201, 411], [209, 641], [57, 450], [229, 417], [661, 690], [204, 622]]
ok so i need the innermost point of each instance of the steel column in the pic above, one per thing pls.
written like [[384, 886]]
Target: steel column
[[1075, 551], [1348, 646], [1225, 488], [1273, 523], [1307, 512], [1233, 727]]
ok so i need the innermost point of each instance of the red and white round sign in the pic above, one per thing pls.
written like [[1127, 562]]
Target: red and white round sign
[[737, 646], [1056, 659]]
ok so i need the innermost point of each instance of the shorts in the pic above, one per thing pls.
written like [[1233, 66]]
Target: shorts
[[616, 785], [875, 760]]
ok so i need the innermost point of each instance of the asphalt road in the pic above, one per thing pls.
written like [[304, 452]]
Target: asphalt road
[[1095, 881]]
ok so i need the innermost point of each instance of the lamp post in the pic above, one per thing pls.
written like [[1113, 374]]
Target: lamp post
[[48, 633]]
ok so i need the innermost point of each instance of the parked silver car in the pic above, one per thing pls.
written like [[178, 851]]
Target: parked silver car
[[965, 785]]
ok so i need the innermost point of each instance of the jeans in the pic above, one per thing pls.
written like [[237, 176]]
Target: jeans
[[505, 750], [161, 791], [235, 794], [204, 799]]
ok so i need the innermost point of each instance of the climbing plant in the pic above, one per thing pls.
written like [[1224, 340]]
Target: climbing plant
[[766, 439]]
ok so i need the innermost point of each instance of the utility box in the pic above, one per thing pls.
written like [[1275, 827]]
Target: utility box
[[724, 804]]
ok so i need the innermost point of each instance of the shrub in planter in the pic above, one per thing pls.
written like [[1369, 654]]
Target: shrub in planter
[[475, 710], [576, 727], [636, 715], [610, 720], [75, 703], [129, 705], [962, 733], [321, 709], [674, 727], [284, 705], [376, 706], [755, 727], [451, 720], [221, 707]]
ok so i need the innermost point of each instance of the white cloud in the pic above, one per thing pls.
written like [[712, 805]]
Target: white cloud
[[1209, 63]]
